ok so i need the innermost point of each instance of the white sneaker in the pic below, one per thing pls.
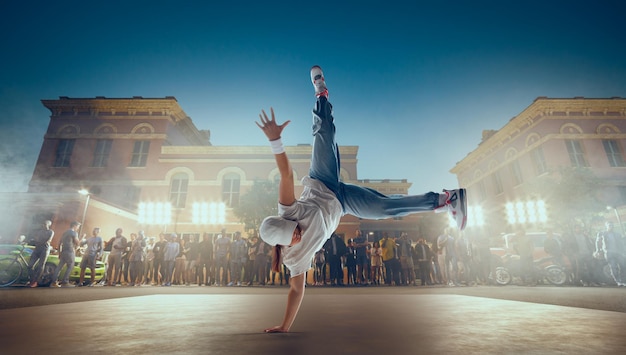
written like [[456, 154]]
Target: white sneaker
[[457, 206], [317, 78]]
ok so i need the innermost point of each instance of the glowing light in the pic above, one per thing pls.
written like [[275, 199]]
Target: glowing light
[[208, 213], [475, 217], [532, 211], [154, 213], [510, 213]]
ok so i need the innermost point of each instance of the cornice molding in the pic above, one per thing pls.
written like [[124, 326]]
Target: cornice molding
[[114, 107], [136, 136], [257, 150], [495, 165]]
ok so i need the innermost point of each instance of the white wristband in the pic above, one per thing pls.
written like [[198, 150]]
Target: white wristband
[[277, 146]]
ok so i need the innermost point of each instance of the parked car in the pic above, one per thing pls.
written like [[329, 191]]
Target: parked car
[[51, 264]]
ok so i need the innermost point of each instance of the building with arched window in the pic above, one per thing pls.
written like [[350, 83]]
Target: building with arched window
[[537, 159], [146, 166]]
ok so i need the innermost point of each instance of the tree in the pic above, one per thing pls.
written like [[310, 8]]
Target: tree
[[256, 204]]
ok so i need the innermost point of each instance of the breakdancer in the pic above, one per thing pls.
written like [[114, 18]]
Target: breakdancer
[[304, 224]]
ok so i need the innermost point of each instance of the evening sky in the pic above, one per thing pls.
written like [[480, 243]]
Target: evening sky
[[413, 83]]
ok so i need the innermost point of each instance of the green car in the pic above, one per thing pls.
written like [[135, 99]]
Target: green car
[[7, 253]]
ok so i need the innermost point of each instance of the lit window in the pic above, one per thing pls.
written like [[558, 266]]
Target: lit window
[[154, 213], [208, 213], [526, 212]]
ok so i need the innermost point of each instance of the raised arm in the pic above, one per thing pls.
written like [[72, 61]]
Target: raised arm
[[273, 131]]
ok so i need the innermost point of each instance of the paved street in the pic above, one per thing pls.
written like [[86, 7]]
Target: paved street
[[368, 320]]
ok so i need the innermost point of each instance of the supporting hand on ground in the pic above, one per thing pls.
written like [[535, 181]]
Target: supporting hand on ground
[[276, 329]]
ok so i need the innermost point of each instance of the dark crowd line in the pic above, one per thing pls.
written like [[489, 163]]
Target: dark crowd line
[[451, 260]]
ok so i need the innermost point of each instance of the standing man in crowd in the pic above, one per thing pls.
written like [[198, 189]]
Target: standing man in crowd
[[67, 255], [38, 258], [392, 265], [92, 253], [406, 260], [238, 257], [170, 252], [447, 246], [582, 256], [424, 260], [335, 247], [192, 253], [158, 250], [609, 243], [362, 265], [136, 258], [222, 249], [250, 272], [205, 263], [260, 250], [118, 245]]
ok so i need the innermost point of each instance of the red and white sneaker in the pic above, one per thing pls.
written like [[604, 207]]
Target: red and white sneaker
[[456, 205], [317, 78]]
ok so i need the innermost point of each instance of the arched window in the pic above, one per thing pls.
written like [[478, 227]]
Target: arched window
[[230, 189], [178, 190]]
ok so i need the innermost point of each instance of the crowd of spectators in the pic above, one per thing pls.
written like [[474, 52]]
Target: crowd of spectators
[[231, 260]]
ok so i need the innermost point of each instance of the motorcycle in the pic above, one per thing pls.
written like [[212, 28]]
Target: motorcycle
[[544, 269]]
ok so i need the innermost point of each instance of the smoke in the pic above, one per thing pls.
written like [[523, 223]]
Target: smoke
[[22, 128]]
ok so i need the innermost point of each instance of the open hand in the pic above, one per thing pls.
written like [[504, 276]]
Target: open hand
[[269, 126]]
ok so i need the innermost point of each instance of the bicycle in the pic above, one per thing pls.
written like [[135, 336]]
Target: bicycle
[[11, 270]]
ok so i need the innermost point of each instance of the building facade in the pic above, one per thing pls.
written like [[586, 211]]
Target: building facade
[[549, 139], [145, 165]]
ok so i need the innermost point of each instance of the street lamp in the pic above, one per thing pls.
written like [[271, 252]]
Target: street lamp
[[85, 193]]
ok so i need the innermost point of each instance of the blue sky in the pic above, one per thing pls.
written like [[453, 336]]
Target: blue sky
[[413, 83]]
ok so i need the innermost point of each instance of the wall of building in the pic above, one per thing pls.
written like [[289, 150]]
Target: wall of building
[[546, 125], [176, 146]]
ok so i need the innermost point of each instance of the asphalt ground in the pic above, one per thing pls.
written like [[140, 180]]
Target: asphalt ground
[[351, 320]]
